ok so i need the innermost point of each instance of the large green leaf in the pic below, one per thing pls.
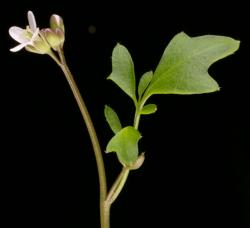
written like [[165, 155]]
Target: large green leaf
[[125, 144], [123, 70], [112, 119], [184, 64]]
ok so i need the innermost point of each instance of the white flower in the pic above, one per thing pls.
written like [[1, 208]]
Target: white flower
[[29, 38]]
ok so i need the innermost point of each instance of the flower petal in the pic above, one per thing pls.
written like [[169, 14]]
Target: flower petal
[[32, 21], [18, 34], [19, 47]]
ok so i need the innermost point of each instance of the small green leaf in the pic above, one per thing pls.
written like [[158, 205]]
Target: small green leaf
[[148, 109], [184, 64], [144, 82], [125, 144], [123, 70], [112, 119]]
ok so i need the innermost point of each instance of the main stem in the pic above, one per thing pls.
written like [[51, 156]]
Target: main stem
[[104, 214], [106, 199]]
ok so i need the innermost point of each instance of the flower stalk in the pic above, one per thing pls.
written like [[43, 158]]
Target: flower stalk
[[93, 137]]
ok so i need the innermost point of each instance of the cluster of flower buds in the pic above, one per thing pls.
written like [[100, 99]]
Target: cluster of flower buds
[[39, 41]]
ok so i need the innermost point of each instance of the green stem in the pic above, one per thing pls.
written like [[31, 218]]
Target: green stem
[[115, 191], [92, 133], [54, 57], [137, 117], [117, 186]]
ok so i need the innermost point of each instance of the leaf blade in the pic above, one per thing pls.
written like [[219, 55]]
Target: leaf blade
[[123, 70], [148, 109], [125, 145], [112, 119], [184, 64]]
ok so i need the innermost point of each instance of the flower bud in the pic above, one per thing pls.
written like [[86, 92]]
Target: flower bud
[[56, 22], [54, 37]]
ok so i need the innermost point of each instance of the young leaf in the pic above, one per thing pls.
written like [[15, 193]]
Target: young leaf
[[125, 144], [144, 82], [149, 109], [184, 64], [123, 70], [112, 119]]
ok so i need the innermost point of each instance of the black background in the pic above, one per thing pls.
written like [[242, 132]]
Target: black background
[[196, 171]]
